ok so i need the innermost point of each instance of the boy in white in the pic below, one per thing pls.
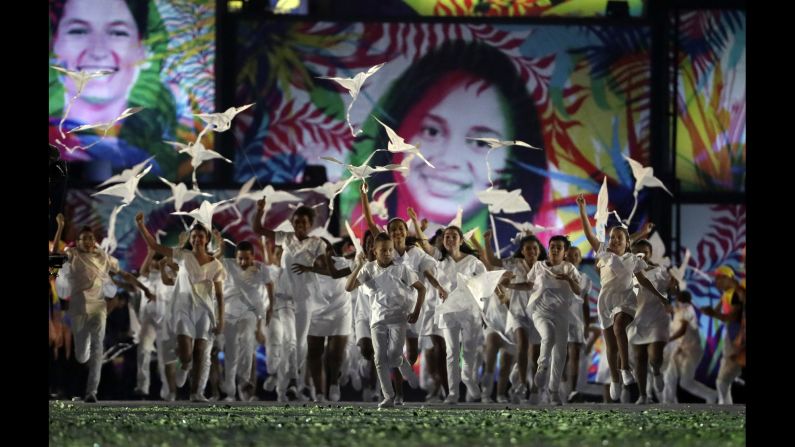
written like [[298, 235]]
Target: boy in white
[[150, 315], [391, 290], [686, 354], [245, 299], [580, 316], [90, 282], [555, 284]]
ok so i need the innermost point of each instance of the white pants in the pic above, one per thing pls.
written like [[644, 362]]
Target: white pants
[[682, 368], [554, 339], [282, 346], [388, 341], [465, 334], [146, 344], [89, 333], [273, 348], [302, 319], [729, 370], [240, 346]]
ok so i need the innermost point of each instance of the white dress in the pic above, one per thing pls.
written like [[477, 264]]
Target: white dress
[[517, 307], [334, 313], [194, 298], [616, 274], [651, 319]]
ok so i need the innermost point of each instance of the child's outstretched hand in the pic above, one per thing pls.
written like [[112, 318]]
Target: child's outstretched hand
[[581, 201], [139, 218], [411, 212], [59, 219], [260, 204]]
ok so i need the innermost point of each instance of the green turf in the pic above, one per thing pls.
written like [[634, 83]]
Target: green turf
[[82, 425]]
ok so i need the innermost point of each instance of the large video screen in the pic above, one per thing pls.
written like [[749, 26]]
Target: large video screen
[[160, 55], [580, 93], [491, 8], [711, 92]]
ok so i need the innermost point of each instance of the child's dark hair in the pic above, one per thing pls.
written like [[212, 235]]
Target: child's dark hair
[[85, 229], [643, 243], [245, 246], [382, 237], [439, 233], [684, 296], [542, 252], [158, 257], [561, 238], [304, 210]]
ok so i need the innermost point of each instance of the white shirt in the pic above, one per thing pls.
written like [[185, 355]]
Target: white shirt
[[296, 251], [245, 290], [551, 296], [390, 291]]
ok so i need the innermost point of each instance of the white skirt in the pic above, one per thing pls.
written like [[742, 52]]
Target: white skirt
[[335, 318], [611, 304]]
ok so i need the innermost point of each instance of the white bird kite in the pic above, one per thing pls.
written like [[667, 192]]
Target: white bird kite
[[126, 190], [398, 145], [496, 144], [378, 206], [204, 213], [219, 122], [180, 194], [503, 201], [601, 213], [523, 228], [199, 154], [644, 178], [354, 86], [127, 174], [80, 78]]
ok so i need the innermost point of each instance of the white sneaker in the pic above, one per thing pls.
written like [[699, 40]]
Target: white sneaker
[[282, 398], [198, 397], [642, 400], [320, 398], [573, 396], [554, 398], [334, 393], [408, 373], [451, 400], [487, 400], [626, 377], [245, 391], [182, 376], [90, 398], [502, 399], [171, 397], [356, 381], [387, 403], [514, 376], [471, 397], [398, 400], [270, 383], [615, 391]]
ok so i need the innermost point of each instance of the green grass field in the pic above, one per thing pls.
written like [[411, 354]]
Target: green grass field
[[340, 425]]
